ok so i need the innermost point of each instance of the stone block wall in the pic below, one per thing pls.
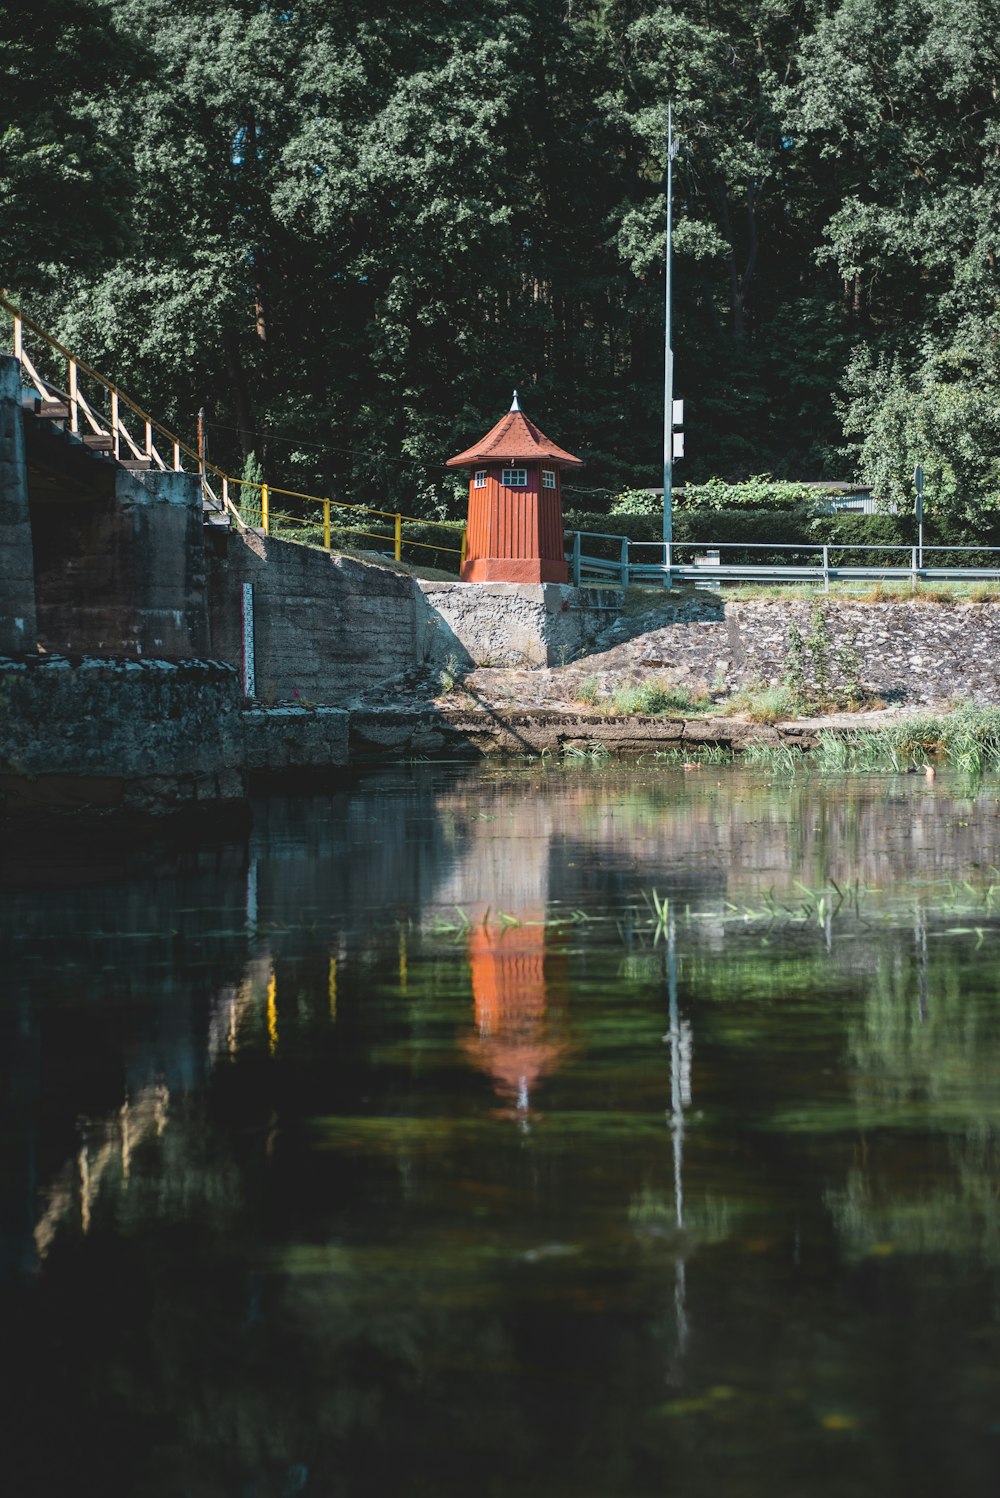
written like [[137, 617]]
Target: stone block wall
[[150, 735]]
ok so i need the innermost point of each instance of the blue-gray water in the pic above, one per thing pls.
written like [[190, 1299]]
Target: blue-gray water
[[599, 1131]]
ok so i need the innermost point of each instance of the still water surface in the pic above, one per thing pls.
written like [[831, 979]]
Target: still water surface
[[512, 1131]]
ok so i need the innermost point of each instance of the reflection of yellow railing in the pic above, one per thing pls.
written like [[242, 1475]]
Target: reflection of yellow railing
[[97, 418]]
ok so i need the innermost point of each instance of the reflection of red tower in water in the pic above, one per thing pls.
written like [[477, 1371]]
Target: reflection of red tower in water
[[515, 1041]]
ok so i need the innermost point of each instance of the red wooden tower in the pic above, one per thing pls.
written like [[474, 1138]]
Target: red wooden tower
[[515, 532]]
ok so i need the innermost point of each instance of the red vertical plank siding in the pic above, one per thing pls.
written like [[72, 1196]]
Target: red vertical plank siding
[[515, 535]]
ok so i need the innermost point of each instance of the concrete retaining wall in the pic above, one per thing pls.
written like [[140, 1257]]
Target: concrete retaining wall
[[121, 570], [325, 627], [17, 574], [513, 624]]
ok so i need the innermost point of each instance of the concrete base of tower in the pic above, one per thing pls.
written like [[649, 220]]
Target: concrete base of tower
[[514, 570]]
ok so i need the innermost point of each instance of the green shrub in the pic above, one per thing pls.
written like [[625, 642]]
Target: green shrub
[[764, 704], [655, 696], [762, 492]]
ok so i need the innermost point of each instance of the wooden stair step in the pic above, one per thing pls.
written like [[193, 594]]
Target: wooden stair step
[[98, 442], [51, 411], [136, 465]]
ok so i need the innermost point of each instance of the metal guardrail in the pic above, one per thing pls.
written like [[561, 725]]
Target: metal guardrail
[[95, 408], [668, 566]]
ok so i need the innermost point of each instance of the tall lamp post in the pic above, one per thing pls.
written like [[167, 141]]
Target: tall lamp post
[[673, 442], [918, 484]]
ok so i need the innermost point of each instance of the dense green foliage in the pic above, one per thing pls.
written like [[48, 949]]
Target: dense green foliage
[[349, 228]]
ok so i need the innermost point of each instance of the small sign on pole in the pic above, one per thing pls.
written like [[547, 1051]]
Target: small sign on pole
[[678, 416], [678, 444]]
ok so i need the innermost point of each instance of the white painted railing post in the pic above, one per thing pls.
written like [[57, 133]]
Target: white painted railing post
[[114, 426], [18, 348]]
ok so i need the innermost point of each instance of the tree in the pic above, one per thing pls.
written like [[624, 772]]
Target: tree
[[65, 181]]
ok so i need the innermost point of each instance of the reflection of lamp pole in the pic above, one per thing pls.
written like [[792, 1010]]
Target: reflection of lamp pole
[[679, 1094], [920, 937]]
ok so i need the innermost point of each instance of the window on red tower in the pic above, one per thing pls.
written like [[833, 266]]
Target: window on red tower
[[548, 478], [514, 478], [480, 479]]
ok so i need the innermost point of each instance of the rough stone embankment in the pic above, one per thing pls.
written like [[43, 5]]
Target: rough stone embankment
[[920, 653]]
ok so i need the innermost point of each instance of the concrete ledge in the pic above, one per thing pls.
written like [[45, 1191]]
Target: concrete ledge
[[448, 732], [295, 738]]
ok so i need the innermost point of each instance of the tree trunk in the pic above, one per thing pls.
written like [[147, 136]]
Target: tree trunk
[[245, 423]]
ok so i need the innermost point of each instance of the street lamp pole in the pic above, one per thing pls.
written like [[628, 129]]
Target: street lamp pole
[[668, 352]]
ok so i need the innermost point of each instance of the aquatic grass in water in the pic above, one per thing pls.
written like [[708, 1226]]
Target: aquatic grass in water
[[967, 740]]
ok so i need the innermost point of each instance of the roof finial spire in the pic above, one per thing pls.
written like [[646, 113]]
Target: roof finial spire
[[514, 405]]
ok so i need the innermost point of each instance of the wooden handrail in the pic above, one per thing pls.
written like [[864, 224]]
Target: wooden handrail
[[147, 450]]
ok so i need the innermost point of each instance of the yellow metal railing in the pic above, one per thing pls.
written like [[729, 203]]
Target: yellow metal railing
[[97, 416]]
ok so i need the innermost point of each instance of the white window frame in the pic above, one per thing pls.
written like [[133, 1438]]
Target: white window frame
[[548, 478], [479, 482], [514, 478]]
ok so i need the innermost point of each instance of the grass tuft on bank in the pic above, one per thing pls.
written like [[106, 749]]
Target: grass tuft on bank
[[967, 739]]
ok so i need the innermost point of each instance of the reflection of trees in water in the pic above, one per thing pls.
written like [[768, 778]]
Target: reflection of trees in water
[[615, 833], [923, 1055], [262, 1312], [925, 1034]]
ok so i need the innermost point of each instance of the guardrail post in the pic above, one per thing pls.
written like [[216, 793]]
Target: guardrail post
[[624, 561], [668, 556], [577, 557], [265, 510], [74, 401], [913, 569], [326, 525], [398, 538], [826, 569]]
